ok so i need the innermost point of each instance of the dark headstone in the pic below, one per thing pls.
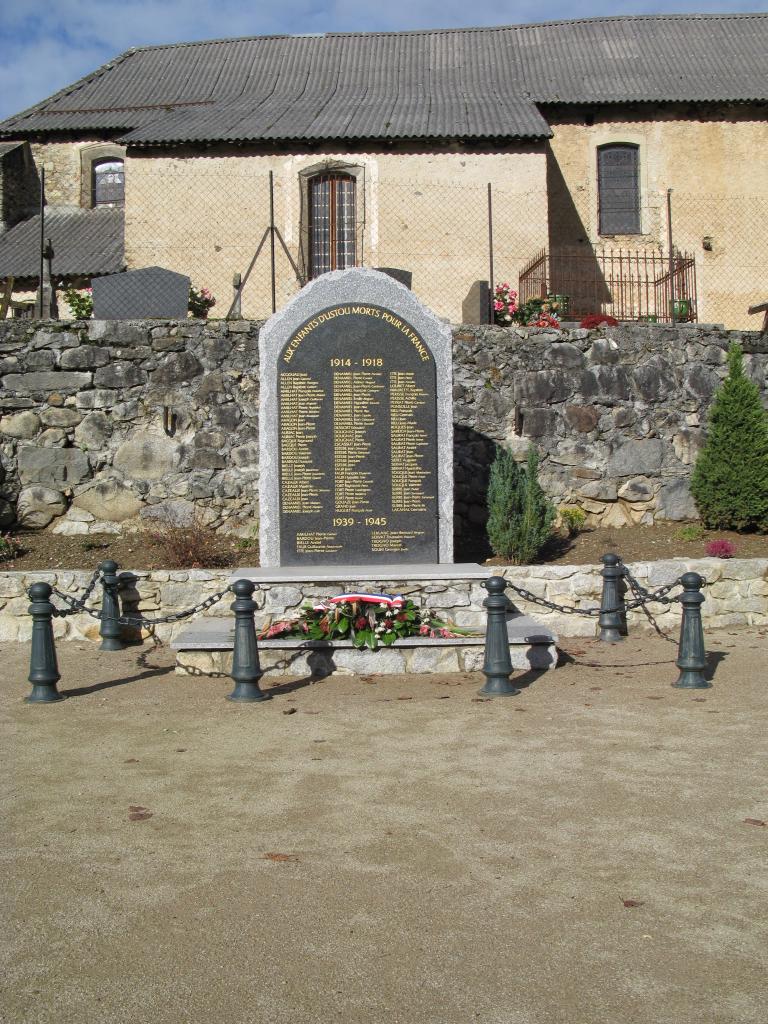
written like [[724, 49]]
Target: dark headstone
[[150, 293], [403, 276], [356, 427]]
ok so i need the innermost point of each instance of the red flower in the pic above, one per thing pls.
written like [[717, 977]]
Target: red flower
[[361, 622]]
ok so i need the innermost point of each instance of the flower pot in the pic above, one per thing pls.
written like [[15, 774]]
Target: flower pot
[[563, 302], [682, 309]]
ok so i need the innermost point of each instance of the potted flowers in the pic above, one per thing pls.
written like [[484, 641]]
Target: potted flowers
[[504, 304], [200, 302]]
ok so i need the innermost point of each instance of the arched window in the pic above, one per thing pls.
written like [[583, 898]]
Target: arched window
[[108, 182], [618, 189], [331, 223]]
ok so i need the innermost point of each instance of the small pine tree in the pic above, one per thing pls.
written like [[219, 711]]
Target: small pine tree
[[520, 515], [730, 479]]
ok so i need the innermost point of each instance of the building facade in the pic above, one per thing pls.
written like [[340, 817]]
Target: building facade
[[600, 160]]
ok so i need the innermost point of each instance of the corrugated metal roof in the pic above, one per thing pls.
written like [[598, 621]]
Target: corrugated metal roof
[[84, 242], [465, 83]]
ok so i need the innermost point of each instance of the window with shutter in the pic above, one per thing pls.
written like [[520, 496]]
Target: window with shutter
[[331, 223], [108, 183], [618, 188]]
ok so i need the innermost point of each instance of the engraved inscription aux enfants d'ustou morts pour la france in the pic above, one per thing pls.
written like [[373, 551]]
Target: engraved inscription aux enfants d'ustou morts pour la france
[[358, 440]]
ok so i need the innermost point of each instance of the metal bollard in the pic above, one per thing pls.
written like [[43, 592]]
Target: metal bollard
[[691, 656], [110, 630], [43, 667], [497, 667], [612, 609], [246, 670]]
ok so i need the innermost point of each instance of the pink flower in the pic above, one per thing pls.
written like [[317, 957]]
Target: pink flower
[[424, 630], [721, 548], [498, 304]]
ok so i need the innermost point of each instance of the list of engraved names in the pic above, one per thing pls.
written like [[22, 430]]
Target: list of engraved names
[[356, 402], [358, 440], [301, 400]]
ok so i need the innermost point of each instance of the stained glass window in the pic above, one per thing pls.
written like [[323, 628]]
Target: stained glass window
[[108, 183]]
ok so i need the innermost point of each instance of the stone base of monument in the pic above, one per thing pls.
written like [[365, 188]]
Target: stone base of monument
[[452, 590]]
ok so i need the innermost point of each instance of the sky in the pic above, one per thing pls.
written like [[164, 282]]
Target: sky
[[45, 46]]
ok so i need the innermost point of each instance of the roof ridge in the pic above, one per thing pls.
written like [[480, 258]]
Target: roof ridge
[[724, 16]]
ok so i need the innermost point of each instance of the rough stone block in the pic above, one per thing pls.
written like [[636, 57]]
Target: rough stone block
[[146, 456], [94, 431], [278, 599], [119, 375], [65, 417], [53, 467], [98, 399], [637, 458], [177, 367], [85, 357], [54, 437], [46, 380], [22, 425], [110, 500], [675, 501]]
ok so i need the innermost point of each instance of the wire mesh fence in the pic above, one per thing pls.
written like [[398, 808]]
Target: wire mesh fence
[[223, 221]]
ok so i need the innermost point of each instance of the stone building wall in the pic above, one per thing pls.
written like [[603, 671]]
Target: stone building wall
[[719, 192], [107, 424], [204, 214]]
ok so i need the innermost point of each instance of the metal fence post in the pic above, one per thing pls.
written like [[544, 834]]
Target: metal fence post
[[43, 667], [246, 670], [612, 609], [497, 667], [691, 656], [110, 630]]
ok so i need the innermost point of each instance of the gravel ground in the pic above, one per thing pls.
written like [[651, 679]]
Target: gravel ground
[[592, 851]]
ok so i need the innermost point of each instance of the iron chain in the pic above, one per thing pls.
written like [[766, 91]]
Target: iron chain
[[137, 619], [77, 604], [643, 597], [566, 609]]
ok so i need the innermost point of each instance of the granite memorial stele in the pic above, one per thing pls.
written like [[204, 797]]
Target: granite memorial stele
[[355, 427]]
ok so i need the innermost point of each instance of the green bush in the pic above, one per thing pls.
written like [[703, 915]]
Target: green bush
[[520, 515], [691, 532], [573, 519], [730, 480]]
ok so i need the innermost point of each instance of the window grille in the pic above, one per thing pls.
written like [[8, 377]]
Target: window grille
[[618, 186], [331, 223], [108, 183]]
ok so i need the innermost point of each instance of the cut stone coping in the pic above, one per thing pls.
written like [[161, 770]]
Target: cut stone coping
[[364, 573], [218, 635]]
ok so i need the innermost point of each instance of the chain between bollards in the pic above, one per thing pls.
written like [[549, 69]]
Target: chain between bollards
[[497, 666], [246, 669], [691, 655], [43, 667]]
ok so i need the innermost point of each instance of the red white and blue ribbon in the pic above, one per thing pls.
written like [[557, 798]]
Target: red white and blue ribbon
[[391, 601]]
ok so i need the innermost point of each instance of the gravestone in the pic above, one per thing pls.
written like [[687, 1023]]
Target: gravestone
[[355, 427], [150, 293]]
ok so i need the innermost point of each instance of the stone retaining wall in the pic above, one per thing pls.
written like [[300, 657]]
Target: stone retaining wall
[[104, 424], [737, 595]]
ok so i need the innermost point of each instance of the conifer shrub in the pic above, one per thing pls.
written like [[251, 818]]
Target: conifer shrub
[[730, 479], [520, 515]]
